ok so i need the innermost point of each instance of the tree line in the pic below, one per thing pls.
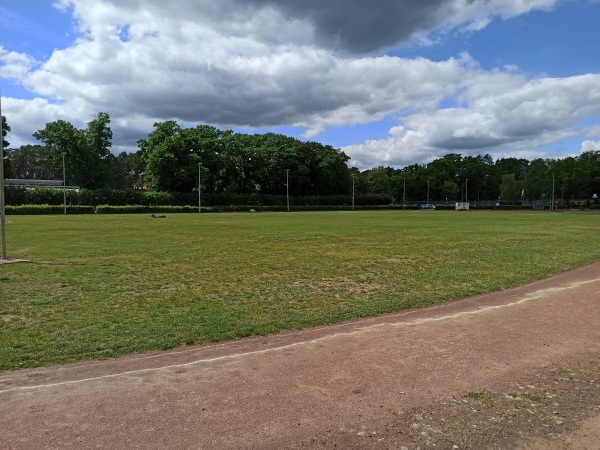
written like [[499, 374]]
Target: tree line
[[480, 178], [175, 159]]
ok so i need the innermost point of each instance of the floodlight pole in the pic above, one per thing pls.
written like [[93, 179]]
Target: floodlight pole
[[64, 183], [552, 206], [427, 192], [352, 192], [2, 208], [467, 190], [199, 187], [287, 187], [404, 193]]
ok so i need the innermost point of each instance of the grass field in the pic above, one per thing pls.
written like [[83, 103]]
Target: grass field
[[101, 286]]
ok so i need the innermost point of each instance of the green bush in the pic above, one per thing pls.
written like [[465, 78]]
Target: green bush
[[227, 201], [115, 197], [39, 196], [48, 209], [123, 197], [143, 209], [346, 207]]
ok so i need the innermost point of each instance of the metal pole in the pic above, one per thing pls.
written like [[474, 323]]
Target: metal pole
[[427, 192], [64, 183], [404, 193], [552, 206], [2, 209], [287, 187], [467, 191], [199, 188], [352, 192]]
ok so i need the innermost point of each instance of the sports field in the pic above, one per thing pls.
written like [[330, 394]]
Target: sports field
[[101, 286]]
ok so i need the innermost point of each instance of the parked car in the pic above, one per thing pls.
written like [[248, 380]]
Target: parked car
[[427, 206]]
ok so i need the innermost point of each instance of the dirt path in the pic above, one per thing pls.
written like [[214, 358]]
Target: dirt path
[[404, 380]]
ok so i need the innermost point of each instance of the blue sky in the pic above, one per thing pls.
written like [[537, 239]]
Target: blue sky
[[390, 82], [560, 43]]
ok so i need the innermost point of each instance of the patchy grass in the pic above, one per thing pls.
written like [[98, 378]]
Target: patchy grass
[[101, 286], [484, 398], [532, 397], [565, 405]]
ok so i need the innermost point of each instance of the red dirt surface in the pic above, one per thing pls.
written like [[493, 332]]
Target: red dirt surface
[[473, 373]]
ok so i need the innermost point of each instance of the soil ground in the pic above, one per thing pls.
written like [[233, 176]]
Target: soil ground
[[518, 369]]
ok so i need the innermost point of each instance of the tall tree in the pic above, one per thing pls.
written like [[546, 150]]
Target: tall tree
[[171, 156], [538, 180], [414, 178], [505, 166], [333, 176], [32, 161], [240, 163], [6, 164], [478, 169], [588, 172], [450, 190], [445, 175], [511, 189], [61, 137], [98, 137], [378, 180], [5, 131], [87, 156], [129, 171]]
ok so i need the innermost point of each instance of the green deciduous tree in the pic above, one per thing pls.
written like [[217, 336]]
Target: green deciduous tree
[[511, 189], [87, 154], [129, 171], [538, 180], [590, 163], [172, 155], [6, 164], [62, 137], [98, 157], [240, 163], [450, 190], [5, 131], [32, 161]]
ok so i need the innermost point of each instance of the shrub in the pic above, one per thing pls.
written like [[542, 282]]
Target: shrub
[[48, 209], [39, 196], [143, 209]]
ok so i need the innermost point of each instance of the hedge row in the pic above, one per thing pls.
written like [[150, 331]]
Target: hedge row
[[164, 209], [137, 209], [48, 209], [47, 196]]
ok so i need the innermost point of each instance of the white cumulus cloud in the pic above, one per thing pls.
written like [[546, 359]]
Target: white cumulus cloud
[[311, 64]]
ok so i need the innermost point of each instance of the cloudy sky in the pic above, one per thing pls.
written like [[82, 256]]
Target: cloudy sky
[[390, 82]]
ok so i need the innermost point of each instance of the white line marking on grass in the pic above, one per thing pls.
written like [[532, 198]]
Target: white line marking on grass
[[527, 298]]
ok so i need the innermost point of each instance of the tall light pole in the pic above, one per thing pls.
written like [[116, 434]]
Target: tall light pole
[[352, 192], [199, 187], [467, 190], [552, 206], [427, 192], [287, 187], [404, 193], [64, 183], [2, 209]]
